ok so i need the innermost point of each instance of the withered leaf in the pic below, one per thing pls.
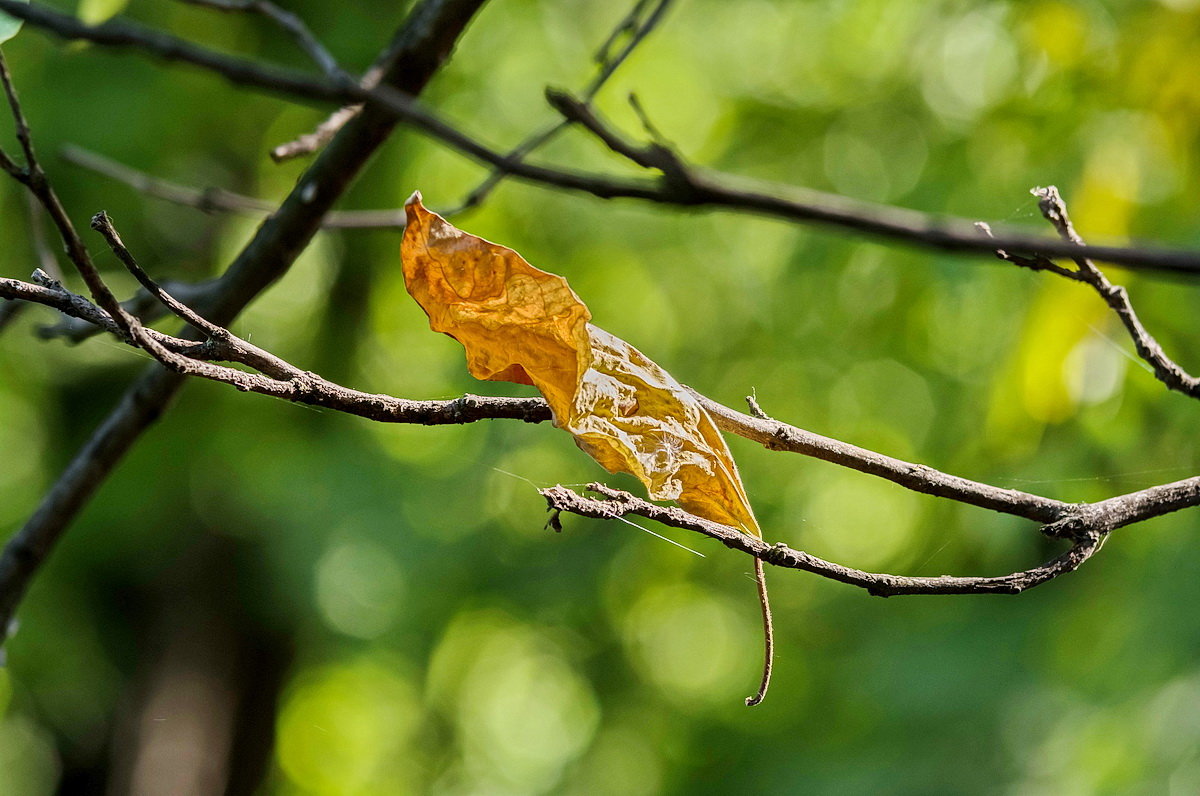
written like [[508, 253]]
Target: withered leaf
[[521, 324]]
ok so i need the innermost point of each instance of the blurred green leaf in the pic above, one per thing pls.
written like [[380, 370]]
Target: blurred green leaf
[[96, 12], [9, 25]]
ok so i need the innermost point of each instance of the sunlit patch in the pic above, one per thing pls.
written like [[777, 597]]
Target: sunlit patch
[[975, 67], [1131, 160], [521, 711], [882, 402], [21, 431], [348, 728], [1058, 29], [359, 588], [28, 763], [94, 12], [862, 522], [1095, 369], [688, 642], [1062, 315], [622, 762]]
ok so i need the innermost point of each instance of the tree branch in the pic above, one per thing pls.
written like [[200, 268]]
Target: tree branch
[[689, 187], [614, 503], [1084, 524], [1054, 209], [326, 130], [281, 379], [774, 435], [219, 200], [212, 199], [434, 26], [608, 63], [290, 24]]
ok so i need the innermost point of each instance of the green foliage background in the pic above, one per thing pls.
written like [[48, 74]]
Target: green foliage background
[[404, 621]]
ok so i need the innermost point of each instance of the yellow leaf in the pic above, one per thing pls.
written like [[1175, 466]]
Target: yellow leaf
[[95, 12], [521, 324]]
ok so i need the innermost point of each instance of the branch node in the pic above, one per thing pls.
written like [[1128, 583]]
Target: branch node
[[777, 554], [44, 279], [755, 409]]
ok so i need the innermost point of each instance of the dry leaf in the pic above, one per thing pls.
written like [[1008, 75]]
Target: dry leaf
[[521, 324]]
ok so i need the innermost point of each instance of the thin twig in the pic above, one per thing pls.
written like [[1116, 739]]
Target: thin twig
[[615, 503], [141, 305], [691, 188], [33, 177], [326, 130], [282, 379], [1054, 209], [764, 603], [779, 436], [608, 64], [291, 24], [323, 133], [214, 200], [37, 233]]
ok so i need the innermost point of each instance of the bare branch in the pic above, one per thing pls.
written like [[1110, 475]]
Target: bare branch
[[322, 135], [305, 387], [219, 200], [216, 199], [775, 435], [286, 381], [141, 305], [290, 23], [289, 228], [282, 379], [1084, 524], [52, 294], [650, 156], [1059, 518], [1051, 203], [1054, 209], [690, 188], [615, 503], [638, 25], [326, 130], [34, 179]]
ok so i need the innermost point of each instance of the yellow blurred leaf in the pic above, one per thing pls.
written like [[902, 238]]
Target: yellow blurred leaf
[[96, 12], [521, 324]]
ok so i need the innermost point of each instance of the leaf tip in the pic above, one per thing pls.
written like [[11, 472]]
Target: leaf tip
[[415, 199]]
